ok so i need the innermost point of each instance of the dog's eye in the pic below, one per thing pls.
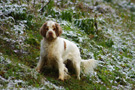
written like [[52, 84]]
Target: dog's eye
[[54, 29], [46, 28]]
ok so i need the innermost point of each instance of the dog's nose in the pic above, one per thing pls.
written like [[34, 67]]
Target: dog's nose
[[50, 33]]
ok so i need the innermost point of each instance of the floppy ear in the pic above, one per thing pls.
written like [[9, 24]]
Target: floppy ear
[[58, 29], [43, 29]]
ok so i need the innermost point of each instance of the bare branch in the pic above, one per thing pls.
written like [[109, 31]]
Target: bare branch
[[42, 9]]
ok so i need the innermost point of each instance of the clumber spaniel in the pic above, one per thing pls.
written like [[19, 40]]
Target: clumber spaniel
[[56, 52]]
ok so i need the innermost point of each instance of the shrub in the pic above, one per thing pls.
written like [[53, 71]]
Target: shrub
[[86, 24]]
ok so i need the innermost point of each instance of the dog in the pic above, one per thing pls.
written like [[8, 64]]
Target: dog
[[55, 52]]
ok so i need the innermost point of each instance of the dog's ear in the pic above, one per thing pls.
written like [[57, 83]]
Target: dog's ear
[[58, 29], [44, 29]]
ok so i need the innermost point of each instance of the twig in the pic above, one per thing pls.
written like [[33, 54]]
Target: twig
[[34, 4], [42, 9], [95, 23], [2, 30]]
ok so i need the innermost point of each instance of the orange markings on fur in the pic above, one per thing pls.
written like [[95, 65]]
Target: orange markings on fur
[[65, 45], [58, 29], [44, 29]]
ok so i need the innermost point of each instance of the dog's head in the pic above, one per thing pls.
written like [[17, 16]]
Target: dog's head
[[50, 30]]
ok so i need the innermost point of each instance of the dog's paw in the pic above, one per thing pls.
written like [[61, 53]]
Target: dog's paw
[[67, 76], [61, 78], [65, 70], [78, 78]]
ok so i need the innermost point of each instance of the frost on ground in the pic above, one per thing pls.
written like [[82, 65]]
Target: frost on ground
[[114, 46], [10, 81]]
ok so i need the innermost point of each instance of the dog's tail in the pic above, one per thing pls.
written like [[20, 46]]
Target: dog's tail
[[87, 66]]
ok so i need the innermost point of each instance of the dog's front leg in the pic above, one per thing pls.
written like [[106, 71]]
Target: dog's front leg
[[40, 64], [61, 69]]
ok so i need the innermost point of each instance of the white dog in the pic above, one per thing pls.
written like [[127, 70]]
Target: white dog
[[56, 51]]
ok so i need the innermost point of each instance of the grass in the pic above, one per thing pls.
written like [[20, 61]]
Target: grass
[[18, 59], [15, 71]]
